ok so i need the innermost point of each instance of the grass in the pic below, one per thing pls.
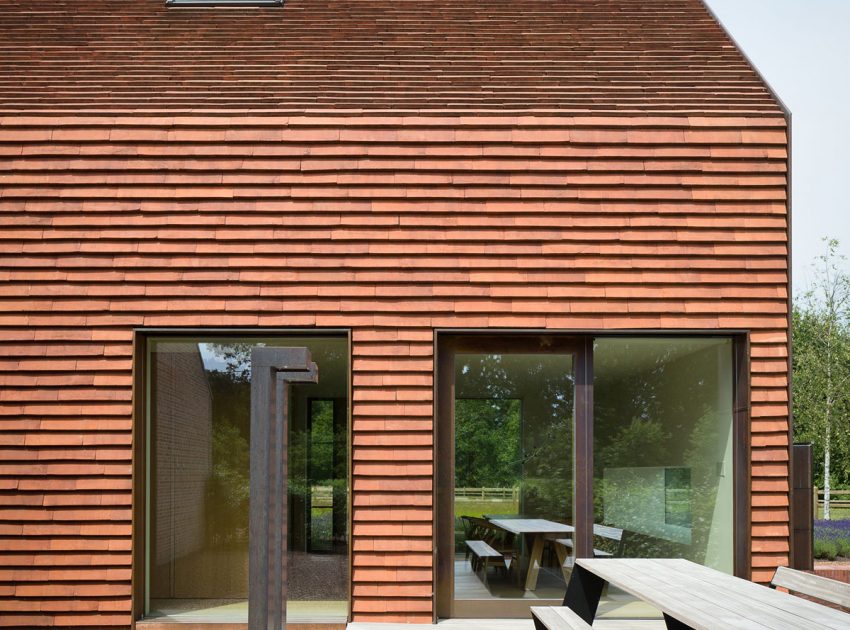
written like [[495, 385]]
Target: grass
[[480, 507], [836, 513]]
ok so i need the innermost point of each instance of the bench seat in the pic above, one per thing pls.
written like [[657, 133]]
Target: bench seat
[[482, 555], [482, 550], [816, 586], [597, 553], [557, 618]]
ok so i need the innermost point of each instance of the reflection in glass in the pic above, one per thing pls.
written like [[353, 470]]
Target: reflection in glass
[[198, 491], [663, 448], [513, 417]]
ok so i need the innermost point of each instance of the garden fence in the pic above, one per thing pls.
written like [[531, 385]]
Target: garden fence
[[833, 501], [487, 494]]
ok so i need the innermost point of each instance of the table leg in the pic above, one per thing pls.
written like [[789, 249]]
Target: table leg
[[583, 593], [563, 554], [534, 562], [675, 624]]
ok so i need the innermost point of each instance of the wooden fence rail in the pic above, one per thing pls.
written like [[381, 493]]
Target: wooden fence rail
[[488, 494], [834, 499]]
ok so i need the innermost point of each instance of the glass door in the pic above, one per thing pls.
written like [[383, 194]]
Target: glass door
[[508, 502]]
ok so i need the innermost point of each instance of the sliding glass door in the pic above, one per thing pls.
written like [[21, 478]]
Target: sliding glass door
[[553, 447]]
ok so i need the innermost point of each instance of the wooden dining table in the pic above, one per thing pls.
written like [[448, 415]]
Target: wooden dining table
[[694, 597], [538, 530]]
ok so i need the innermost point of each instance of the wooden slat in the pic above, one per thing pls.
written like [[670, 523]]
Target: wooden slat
[[706, 599], [531, 526], [558, 618], [482, 549], [816, 586]]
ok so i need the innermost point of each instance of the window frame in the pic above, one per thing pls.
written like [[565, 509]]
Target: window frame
[[223, 3]]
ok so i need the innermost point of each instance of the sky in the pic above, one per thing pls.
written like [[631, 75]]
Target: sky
[[802, 49]]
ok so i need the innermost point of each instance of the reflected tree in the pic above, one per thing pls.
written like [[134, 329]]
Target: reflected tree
[[515, 429], [228, 486], [659, 412]]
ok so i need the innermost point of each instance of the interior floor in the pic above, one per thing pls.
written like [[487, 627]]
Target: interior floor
[[504, 583], [236, 611]]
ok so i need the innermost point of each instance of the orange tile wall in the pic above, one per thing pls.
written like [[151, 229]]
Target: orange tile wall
[[391, 227]]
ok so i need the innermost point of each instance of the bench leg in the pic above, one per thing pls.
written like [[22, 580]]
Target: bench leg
[[583, 593], [675, 624]]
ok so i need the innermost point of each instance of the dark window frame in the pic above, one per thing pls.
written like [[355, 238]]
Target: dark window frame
[[223, 3]]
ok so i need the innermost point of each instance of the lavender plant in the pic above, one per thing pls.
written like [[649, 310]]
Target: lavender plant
[[832, 539]]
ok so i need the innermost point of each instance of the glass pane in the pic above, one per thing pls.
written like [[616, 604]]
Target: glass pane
[[198, 461], [322, 474], [663, 449], [513, 475]]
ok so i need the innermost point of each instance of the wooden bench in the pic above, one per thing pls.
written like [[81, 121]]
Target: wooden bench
[[816, 586], [610, 533], [482, 555], [603, 531], [563, 545], [557, 618], [597, 553]]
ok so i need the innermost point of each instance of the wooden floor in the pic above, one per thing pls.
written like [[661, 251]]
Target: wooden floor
[[236, 611], [469, 585]]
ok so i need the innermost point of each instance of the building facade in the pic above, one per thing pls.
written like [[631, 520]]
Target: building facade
[[539, 253]]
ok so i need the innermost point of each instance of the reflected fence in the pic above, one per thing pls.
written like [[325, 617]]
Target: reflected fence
[[488, 494]]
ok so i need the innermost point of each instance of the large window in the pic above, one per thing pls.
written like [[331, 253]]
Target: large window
[[198, 455], [576, 446], [663, 448]]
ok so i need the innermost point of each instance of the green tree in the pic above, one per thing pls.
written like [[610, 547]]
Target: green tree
[[821, 366]]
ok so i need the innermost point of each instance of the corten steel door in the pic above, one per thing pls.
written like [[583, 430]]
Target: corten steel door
[[507, 432]]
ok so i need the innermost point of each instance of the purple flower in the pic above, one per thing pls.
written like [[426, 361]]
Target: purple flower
[[832, 530]]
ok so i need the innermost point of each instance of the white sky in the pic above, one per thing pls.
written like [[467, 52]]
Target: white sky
[[802, 48]]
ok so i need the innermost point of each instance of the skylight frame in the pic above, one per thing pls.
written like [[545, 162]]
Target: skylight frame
[[223, 3]]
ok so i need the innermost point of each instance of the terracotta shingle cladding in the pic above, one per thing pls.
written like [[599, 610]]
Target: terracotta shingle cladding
[[390, 226], [474, 199], [397, 55]]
